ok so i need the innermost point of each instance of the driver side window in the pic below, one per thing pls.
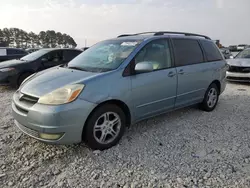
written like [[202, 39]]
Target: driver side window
[[54, 56], [155, 53]]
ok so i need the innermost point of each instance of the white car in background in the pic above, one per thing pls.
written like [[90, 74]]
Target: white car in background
[[241, 46], [239, 67]]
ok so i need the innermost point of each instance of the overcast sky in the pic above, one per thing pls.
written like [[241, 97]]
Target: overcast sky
[[94, 20]]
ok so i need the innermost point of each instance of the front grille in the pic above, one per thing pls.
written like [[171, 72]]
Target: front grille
[[28, 98], [28, 130], [239, 69], [238, 78]]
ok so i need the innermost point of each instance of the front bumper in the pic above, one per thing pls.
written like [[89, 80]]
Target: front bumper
[[67, 120], [238, 77]]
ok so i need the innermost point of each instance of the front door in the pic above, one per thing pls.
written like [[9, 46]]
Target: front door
[[154, 92]]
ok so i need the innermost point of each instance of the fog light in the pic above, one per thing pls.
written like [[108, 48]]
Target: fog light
[[47, 136]]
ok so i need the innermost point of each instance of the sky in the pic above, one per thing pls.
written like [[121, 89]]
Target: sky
[[95, 20]]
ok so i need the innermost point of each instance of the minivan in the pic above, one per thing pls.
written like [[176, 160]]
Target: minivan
[[118, 82]]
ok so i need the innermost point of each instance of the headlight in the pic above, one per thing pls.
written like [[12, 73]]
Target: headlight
[[62, 95], [6, 69]]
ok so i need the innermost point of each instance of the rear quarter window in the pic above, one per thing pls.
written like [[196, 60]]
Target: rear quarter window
[[211, 51], [187, 52]]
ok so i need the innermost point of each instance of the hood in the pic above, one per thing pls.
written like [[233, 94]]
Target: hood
[[10, 63], [49, 80], [244, 62]]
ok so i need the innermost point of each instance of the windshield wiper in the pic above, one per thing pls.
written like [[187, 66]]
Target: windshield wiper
[[78, 68]]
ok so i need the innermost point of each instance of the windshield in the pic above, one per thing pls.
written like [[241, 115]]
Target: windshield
[[244, 54], [35, 55], [104, 56]]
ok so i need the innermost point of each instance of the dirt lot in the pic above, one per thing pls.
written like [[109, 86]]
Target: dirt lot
[[185, 148]]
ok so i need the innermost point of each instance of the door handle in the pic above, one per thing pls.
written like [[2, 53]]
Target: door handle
[[181, 71], [171, 74]]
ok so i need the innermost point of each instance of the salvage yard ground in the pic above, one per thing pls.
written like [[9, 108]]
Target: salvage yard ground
[[185, 148]]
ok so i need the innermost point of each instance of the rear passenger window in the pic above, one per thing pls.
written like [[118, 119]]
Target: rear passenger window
[[211, 51], [187, 52]]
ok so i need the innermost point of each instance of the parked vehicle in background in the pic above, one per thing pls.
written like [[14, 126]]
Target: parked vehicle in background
[[241, 47], [11, 53], [239, 67], [31, 50], [119, 82], [226, 52], [13, 72], [233, 48]]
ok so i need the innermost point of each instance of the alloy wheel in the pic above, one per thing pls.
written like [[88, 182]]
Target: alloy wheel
[[107, 127], [212, 97]]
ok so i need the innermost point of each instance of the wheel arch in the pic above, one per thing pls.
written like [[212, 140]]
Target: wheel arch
[[118, 103], [218, 84]]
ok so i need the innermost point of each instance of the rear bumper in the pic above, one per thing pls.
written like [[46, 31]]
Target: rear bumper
[[238, 77], [65, 120]]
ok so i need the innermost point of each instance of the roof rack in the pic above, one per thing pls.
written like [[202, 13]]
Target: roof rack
[[166, 32], [127, 35]]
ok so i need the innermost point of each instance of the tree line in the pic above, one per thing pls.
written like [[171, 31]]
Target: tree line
[[15, 37]]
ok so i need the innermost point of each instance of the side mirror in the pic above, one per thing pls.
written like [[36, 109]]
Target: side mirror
[[231, 57], [143, 67]]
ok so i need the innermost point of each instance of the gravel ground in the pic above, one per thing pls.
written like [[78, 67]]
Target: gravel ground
[[185, 148]]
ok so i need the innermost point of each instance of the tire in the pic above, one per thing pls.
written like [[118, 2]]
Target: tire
[[22, 77], [208, 104], [100, 124]]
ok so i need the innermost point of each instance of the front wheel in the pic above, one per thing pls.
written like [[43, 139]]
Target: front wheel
[[210, 99], [105, 127]]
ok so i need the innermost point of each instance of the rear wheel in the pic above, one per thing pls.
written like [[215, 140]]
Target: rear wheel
[[22, 77], [105, 127], [211, 98]]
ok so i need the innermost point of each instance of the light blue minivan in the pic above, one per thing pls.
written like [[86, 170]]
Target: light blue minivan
[[119, 82]]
